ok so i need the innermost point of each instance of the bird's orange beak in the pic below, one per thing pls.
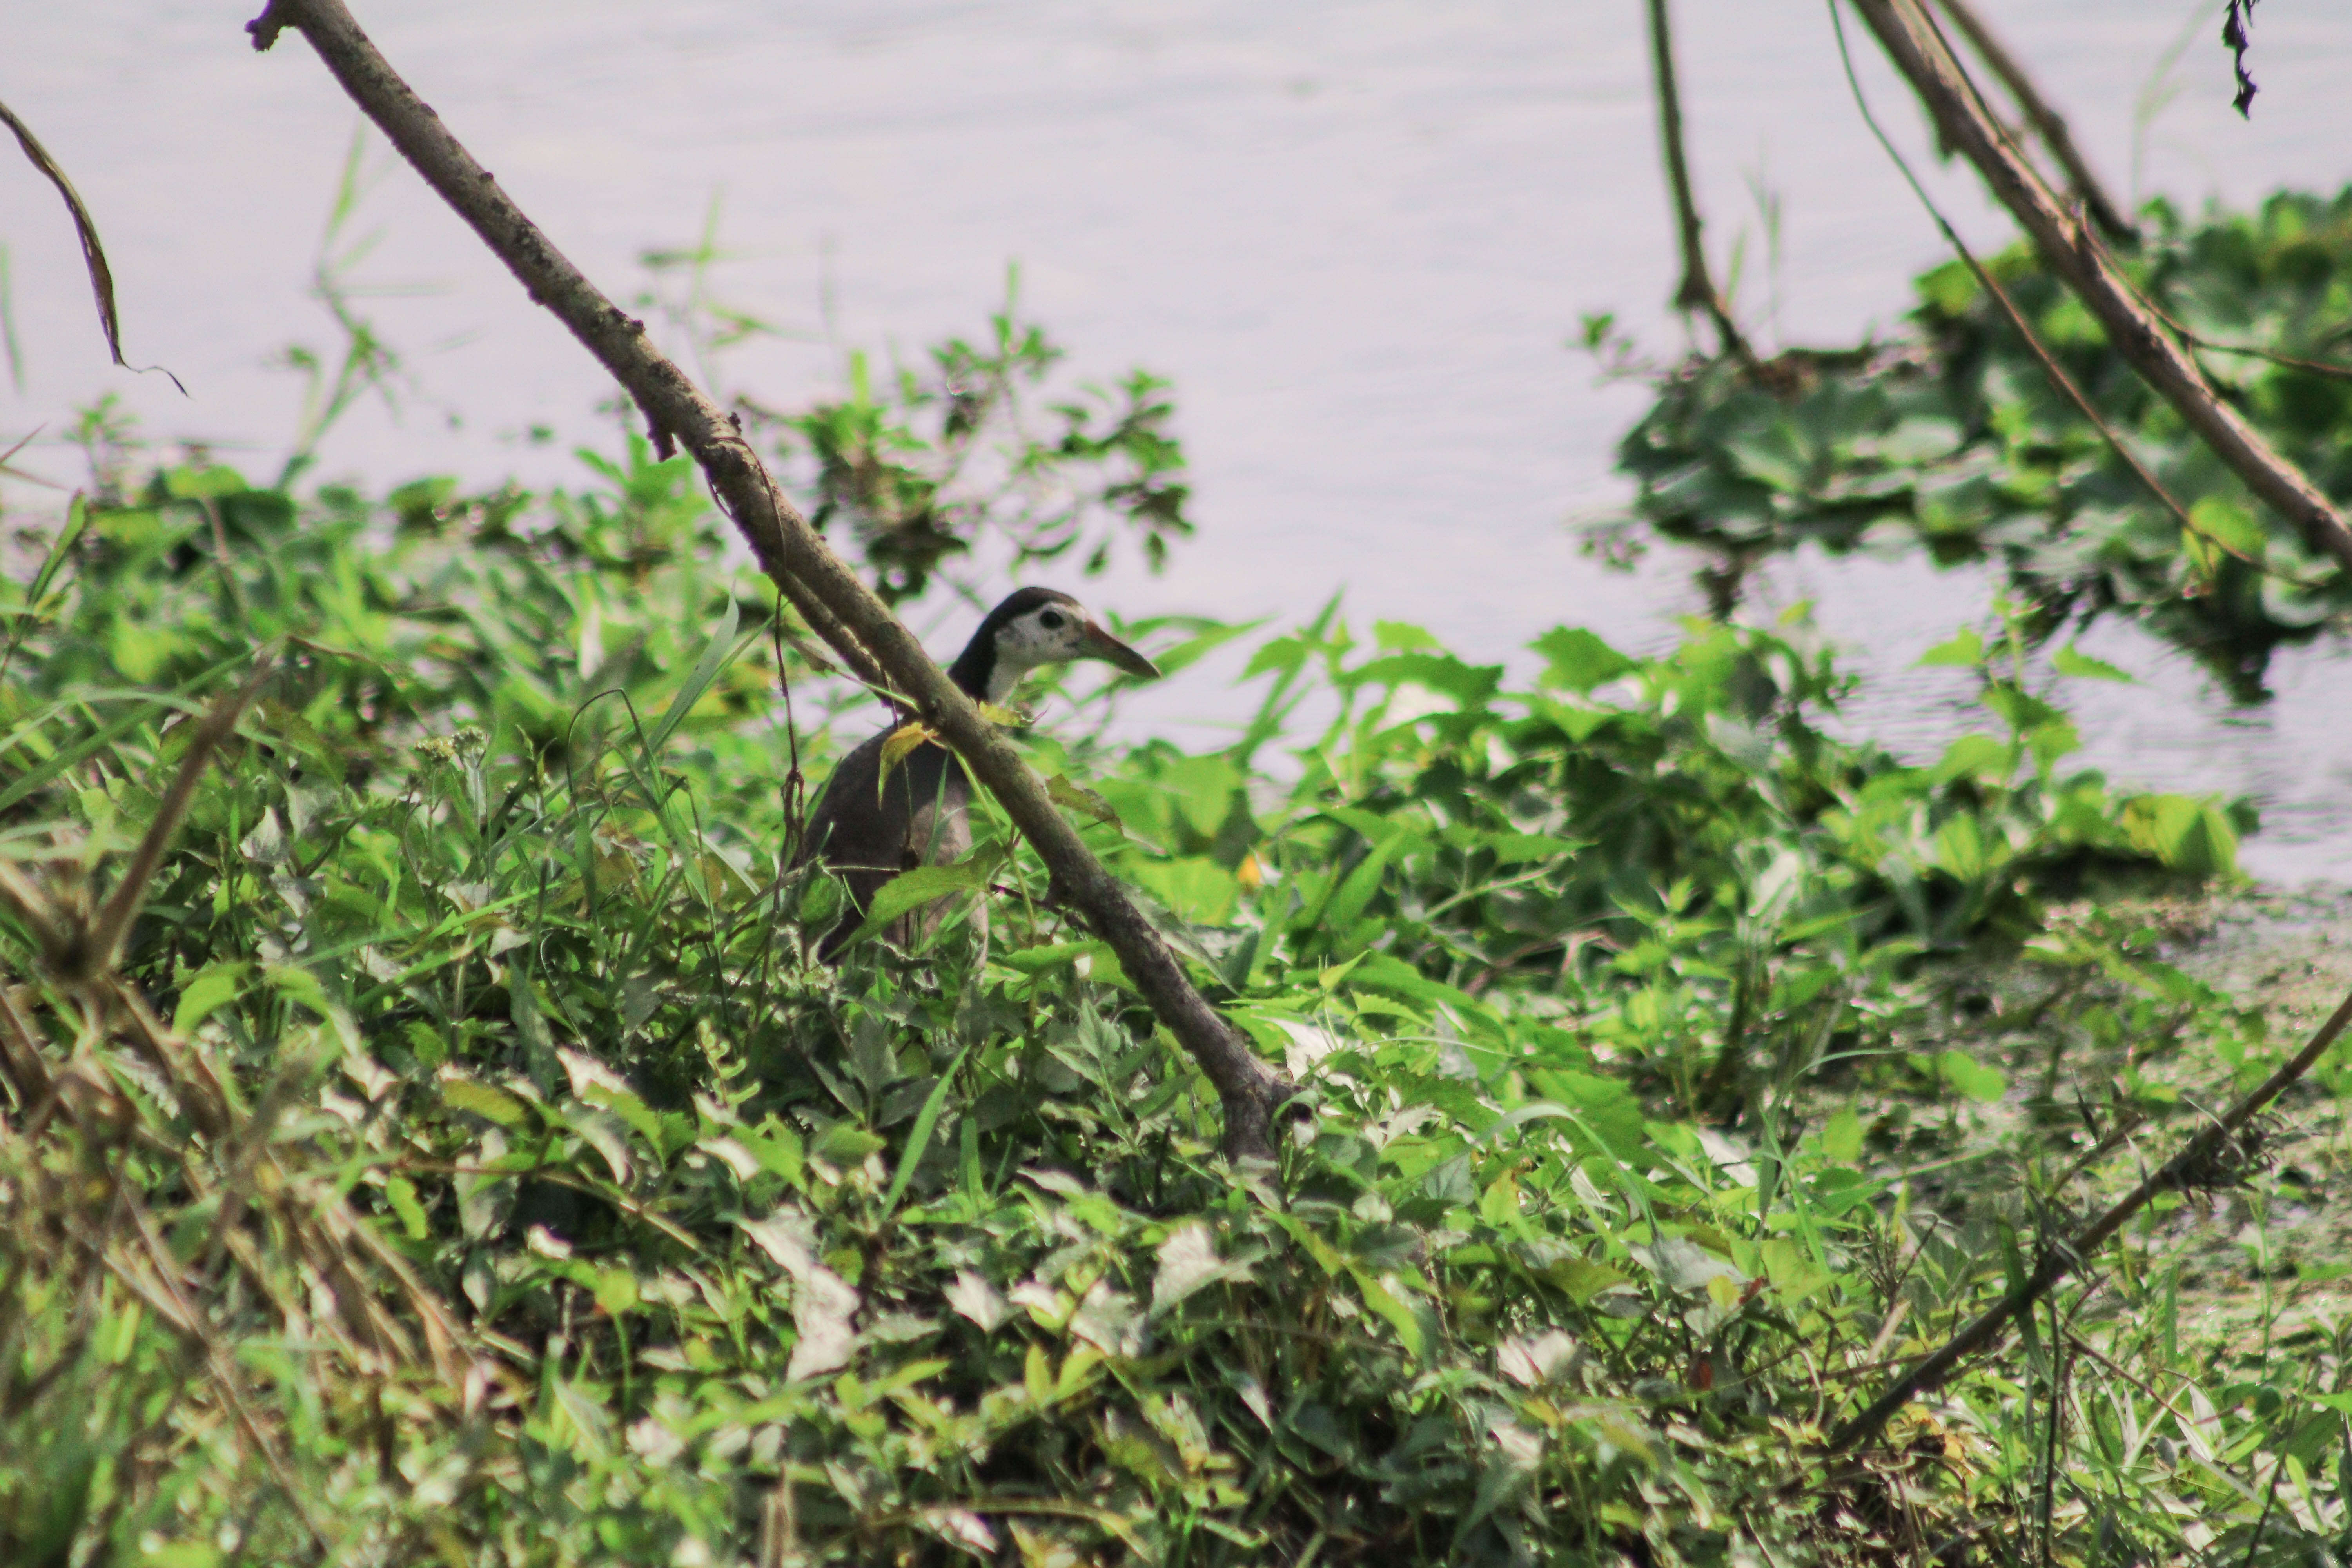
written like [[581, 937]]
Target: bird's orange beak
[[1100, 644]]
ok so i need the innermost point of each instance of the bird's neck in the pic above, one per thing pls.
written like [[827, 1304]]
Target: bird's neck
[[985, 677]]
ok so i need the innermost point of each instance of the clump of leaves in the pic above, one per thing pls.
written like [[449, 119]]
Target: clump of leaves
[[1954, 442], [934, 462]]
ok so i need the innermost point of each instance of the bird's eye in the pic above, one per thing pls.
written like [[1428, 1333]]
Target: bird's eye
[[1051, 620]]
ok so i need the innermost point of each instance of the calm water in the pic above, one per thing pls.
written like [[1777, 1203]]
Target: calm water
[[1357, 236]]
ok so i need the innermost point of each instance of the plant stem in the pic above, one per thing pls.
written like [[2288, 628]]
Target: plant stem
[[1697, 291], [2046, 122]]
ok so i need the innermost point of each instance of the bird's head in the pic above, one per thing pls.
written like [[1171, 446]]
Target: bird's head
[[1036, 626]]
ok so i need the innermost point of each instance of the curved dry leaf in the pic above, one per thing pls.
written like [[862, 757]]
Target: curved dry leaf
[[93, 254]]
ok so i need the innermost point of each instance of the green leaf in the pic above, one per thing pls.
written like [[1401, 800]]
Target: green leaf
[[1380, 1299], [1841, 1137], [2186, 835], [1578, 660], [910, 890], [715, 653], [2070, 660], [1194, 887], [1968, 649], [401, 1193], [299, 985], [208, 990], [918, 1141], [1077, 799], [1971, 1078], [1402, 636], [2229, 526], [491, 1104], [845, 1144]]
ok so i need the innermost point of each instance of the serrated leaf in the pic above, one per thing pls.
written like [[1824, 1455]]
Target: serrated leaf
[[910, 890], [1187, 1263]]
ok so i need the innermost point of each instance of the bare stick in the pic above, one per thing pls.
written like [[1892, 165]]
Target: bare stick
[[2072, 252], [1697, 291], [846, 615], [2063, 1259], [114, 918], [2046, 122]]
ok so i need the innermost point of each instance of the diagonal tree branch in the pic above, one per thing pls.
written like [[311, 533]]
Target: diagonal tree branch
[[2047, 122], [114, 917], [2210, 1144], [828, 595], [2069, 248]]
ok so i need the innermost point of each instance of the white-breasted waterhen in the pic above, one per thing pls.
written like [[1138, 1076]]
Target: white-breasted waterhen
[[866, 829]]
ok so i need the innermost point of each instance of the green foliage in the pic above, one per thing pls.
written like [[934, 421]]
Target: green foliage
[[561, 1211], [1954, 441], [931, 464]]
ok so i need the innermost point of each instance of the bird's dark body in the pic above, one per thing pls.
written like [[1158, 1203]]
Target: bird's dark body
[[919, 818], [868, 829]]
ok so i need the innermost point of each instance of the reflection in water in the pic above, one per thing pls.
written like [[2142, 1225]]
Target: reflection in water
[[1357, 236]]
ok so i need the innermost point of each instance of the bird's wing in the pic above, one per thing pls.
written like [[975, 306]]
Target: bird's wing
[[861, 824]]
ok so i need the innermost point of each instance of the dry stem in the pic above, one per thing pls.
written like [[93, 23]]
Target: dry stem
[[1696, 291]]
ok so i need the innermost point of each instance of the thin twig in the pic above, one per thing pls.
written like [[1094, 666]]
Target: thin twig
[[1697, 291], [2060, 1261]]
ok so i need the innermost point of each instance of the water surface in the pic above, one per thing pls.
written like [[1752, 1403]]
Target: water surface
[[1357, 236]]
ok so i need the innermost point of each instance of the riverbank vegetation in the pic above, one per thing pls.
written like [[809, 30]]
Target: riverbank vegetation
[[426, 1138], [488, 1172]]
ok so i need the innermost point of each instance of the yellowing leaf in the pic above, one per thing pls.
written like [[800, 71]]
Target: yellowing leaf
[[903, 742]]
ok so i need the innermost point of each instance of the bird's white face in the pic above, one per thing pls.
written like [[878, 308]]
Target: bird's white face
[[1053, 633]]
